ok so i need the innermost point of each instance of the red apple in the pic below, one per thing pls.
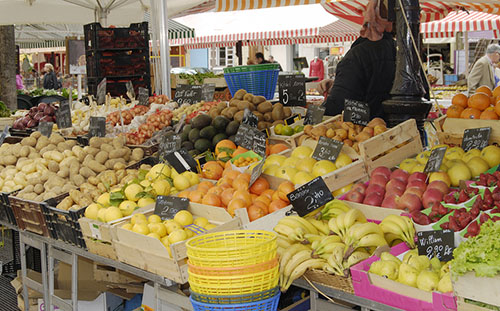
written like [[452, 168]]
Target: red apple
[[379, 180], [439, 185], [414, 190], [393, 190], [354, 196], [359, 187], [431, 197], [375, 188], [395, 184], [373, 199], [417, 176], [381, 170], [410, 202], [390, 201], [401, 175], [417, 184]]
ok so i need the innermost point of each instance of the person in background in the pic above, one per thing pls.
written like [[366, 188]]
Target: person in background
[[367, 71], [483, 72], [250, 61], [259, 58], [273, 61], [19, 81], [50, 81]]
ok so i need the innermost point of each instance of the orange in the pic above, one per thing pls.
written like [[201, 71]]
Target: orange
[[497, 108], [285, 188], [268, 193], [264, 199], [239, 150], [277, 205], [470, 113], [454, 111], [211, 199], [225, 143], [459, 100], [205, 184], [261, 204], [479, 101], [275, 196], [259, 186], [184, 194], [496, 92], [240, 184], [484, 89], [212, 170], [226, 196], [489, 114], [234, 204], [277, 148], [253, 196], [215, 190], [245, 176], [231, 174], [244, 196], [255, 212], [196, 196]]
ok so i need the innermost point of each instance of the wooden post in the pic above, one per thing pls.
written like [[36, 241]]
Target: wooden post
[[8, 92]]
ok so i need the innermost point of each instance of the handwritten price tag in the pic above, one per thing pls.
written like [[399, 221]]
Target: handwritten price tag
[[310, 196], [436, 243], [477, 138], [327, 149], [435, 160], [357, 112]]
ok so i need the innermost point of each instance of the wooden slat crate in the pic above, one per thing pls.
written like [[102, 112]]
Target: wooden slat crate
[[451, 130]]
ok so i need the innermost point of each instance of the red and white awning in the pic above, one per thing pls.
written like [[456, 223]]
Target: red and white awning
[[461, 21]]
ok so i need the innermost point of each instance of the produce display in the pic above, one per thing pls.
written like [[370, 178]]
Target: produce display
[[4, 111], [483, 104], [42, 113]]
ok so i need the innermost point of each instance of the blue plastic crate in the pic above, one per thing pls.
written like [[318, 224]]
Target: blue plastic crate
[[270, 304], [256, 82], [450, 79]]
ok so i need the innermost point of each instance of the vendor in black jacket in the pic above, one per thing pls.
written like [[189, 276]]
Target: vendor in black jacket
[[366, 72]]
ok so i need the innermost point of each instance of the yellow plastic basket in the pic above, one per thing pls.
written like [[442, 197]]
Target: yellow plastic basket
[[234, 285], [234, 248], [233, 271]]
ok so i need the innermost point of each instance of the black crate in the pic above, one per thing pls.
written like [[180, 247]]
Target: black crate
[[6, 212], [116, 86], [118, 63], [63, 225], [100, 38]]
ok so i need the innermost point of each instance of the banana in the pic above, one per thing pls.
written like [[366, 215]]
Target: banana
[[355, 258], [331, 270], [305, 224], [280, 251], [296, 260], [328, 248], [301, 269], [399, 225], [333, 209], [284, 242], [320, 225], [291, 222], [390, 237], [310, 238], [288, 254], [372, 240], [352, 216], [332, 225], [284, 230], [335, 260], [359, 230], [315, 244], [298, 234], [340, 224]]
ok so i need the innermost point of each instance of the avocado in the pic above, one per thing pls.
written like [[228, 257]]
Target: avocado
[[217, 138], [208, 132], [187, 145], [184, 136], [193, 152], [194, 134], [220, 123], [202, 145], [232, 128], [201, 121], [187, 128]]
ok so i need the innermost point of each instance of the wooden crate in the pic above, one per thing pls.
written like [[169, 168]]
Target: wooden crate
[[113, 275], [151, 255], [101, 248], [6, 121], [462, 305], [391, 147], [450, 131], [482, 289], [375, 212]]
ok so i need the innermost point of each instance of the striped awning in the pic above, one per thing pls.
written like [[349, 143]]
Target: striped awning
[[459, 22], [177, 30], [41, 44]]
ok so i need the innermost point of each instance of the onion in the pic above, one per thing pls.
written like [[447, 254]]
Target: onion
[[38, 116], [25, 120], [18, 124], [42, 106], [50, 110], [32, 123], [47, 119]]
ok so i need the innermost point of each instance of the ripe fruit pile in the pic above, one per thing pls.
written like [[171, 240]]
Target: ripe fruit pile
[[415, 271], [244, 161], [300, 167], [339, 239], [287, 130], [484, 104], [154, 123], [169, 231]]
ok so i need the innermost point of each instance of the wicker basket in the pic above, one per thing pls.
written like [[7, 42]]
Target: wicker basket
[[329, 280]]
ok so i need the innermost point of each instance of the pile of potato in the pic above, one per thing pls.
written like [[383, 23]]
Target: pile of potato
[[44, 168]]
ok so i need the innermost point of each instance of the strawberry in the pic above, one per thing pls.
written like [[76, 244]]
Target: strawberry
[[442, 210], [495, 218], [445, 225], [484, 218], [474, 211], [463, 196], [453, 224], [473, 229]]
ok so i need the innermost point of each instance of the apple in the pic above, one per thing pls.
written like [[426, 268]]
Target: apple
[[381, 170], [375, 188], [417, 184], [414, 190], [417, 176], [354, 196], [401, 175], [373, 199], [431, 197], [379, 180], [394, 190], [410, 202], [360, 187], [395, 184], [443, 176], [391, 200], [440, 185]]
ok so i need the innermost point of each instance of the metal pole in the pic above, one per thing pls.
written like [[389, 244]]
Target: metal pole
[[51, 281], [164, 48], [43, 254], [24, 273], [466, 47], [74, 282], [79, 85]]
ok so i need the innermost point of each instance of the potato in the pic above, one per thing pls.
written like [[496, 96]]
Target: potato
[[87, 159], [77, 180], [119, 142], [101, 157], [119, 166], [74, 168], [137, 154], [47, 148], [53, 166], [91, 150], [96, 142], [27, 189], [93, 180], [96, 166], [28, 141], [87, 188], [36, 135], [120, 174], [79, 153], [9, 160], [68, 186], [71, 143], [101, 187], [108, 177], [48, 195], [239, 94], [55, 138], [118, 153], [65, 204], [62, 146], [75, 195], [30, 196], [63, 172], [38, 188], [107, 147], [33, 153]]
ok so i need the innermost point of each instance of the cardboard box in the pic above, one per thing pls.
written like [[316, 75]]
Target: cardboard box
[[149, 301], [104, 302], [482, 289]]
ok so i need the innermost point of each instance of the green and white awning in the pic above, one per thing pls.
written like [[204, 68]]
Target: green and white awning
[[179, 31]]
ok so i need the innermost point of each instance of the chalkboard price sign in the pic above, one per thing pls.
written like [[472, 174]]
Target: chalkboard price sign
[[327, 149], [45, 128], [310, 196], [168, 144], [130, 89], [143, 96], [244, 136], [207, 92], [477, 138], [259, 143], [357, 112], [180, 124], [314, 114], [292, 90], [256, 172], [63, 115], [435, 160], [436, 243], [97, 127], [181, 160], [4, 134], [249, 118], [188, 94], [167, 206], [101, 92]]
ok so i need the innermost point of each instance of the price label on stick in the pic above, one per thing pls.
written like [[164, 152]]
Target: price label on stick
[[207, 92], [97, 127], [45, 128], [259, 143], [292, 90], [167, 206], [4, 134], [291, 120], [101, 92], [244, 136], [130, 89], [436, 243], [168, 144], [180, 124], [310, 196], [435, 160], [249, 118], [143, 97], [356, 111], [477, 138], [256, 172], [181, 160], [63, 115], [314, 114], [327, 149], [188, 94]]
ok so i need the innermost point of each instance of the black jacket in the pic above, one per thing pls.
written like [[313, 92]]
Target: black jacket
[[366, 73], [50, 81]]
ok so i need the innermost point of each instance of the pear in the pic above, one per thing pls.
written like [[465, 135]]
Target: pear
[[444, 269], [427, 280], [389, 256], [435, 264], [416, 263], [444, 284], [407, 275], [375, 267], [389, 269], [424, 261], [410, 254]]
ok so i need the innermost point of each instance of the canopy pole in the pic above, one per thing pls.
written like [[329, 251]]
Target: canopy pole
[[164, 49], [466, 48]]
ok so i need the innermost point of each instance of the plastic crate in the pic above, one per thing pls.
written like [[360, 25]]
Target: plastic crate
[[116, 86], [99, 38], [450, 79], [270, 304], [118, 63], [6, 213], [255, 79], [63, 225]]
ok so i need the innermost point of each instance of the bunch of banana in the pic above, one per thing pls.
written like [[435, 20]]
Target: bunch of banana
[[366, 234], [399, 228], [324, 247], [295, 228], [333, 209], [294, 262], [344, 221], [336, 264]]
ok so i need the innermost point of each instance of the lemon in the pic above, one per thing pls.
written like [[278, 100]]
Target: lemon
[[103, 199], [253, 165], [342, 190], [423, 156], [291, 161], [154, 235], [302, 152], [302, 177], [127, 207], [477, 165], [127, 226], [173, 173], [408, 164], [91, 211], [471, 154], [189, 233], [101, 214], [161, 187], [131, 192], [158, 228], [181, 182], [275, 159], [287, 130], [113, 213], [306, 165], [278, 129], [491, 154], [160, 170], [165, 241], [210, 226], [141, 228], [342, 160], [201, 221], [145, 183], [286, 172], [177, 236], [138, 218], [298, 128], [154, 219], [145, 202], [184, 218], [418, 168], [271, 170], [172, 225], [454, 153], [323, 167]]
